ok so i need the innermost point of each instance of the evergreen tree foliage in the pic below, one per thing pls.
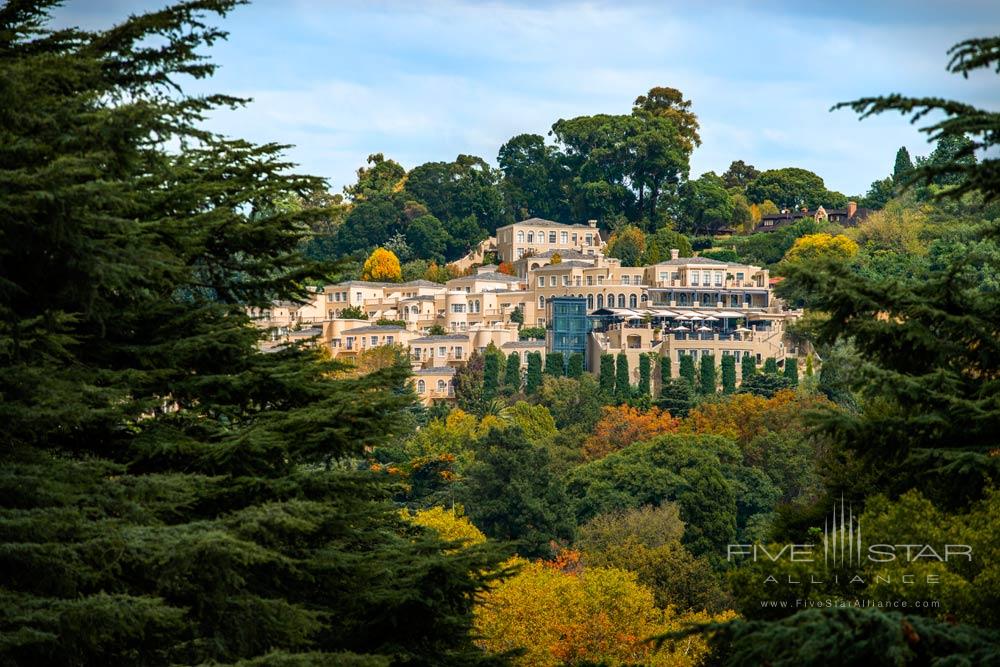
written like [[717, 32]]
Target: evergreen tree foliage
[[533, 378], [555, 364], [771, 366], [665, 371], [675, 397], [765, 384], [687, 371], [623, 387], [902, 167], [574, 368], [728, 374], [492, 363], [645, 372], [512, 495], [707, 377], [748, 367], [607, 377], [512, 373], [170, 494], [792, 370]]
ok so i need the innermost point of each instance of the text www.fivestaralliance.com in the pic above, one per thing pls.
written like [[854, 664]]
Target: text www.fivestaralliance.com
[[857, 602]]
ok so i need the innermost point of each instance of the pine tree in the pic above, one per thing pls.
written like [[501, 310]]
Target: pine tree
[[554, 364], [665, 370], [675, 397], [170, 493], [575, 367], [623, 387], [533, 377], [687, 370], [771, 366], [903, 166], [748, 367], [708, 379], [607, 377], [728, 374], [512, 373], [792, 370], [645, 371]]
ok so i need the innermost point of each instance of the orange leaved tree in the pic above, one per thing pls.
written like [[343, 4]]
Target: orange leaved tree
[[622, 425], [382, 266]]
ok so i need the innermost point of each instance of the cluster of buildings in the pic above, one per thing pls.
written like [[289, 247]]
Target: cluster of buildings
[[562, 283], [846, 217]]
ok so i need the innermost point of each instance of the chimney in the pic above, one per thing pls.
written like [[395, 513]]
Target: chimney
[[852, 208], [674, 253], [592, 223]]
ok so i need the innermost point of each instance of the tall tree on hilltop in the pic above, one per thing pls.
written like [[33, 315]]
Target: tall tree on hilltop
[[669, 103], [902, 167], [169, 492]]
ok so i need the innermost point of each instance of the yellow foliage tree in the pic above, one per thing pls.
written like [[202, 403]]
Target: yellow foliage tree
[[812, 247], [450, 525], [382, 266], [593, 615], [556, 258]]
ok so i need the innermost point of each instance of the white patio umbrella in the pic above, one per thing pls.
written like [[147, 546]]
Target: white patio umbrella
[[703, 328], [742, 330], [711, 319], [680, 328]]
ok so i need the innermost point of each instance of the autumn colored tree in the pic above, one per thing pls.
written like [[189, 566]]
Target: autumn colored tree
[[728, 374], [817, 247], [622, 425], [574, 368], [627, 244], [382, 266], [506, 268], [563, 615], [449, 524], [556, 258]]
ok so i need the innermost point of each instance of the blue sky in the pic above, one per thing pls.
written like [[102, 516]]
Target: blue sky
[[422, 81]]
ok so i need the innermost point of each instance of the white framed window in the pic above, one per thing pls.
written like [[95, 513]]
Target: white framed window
[[565, 281], [442, 385], [442, 352], [541, 302], [590, 280], [374, 341], [694, 277], [552, 281], [590, 239], [564, 237], [531, 237], [552, 237], [421, 386], [541, 281], [626, 280], [520, 237]]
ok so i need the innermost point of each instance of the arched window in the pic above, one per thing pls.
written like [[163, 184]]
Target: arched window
[[541, 302], [621, 300], [531, 237], [632, 301], [600, 301], [520, 237], [442, 385], [421, 386], [590, 302], [611, 301], [643, 298]]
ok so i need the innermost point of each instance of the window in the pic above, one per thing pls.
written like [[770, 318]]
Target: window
[[739, 276], [552, 281], [590, 239], [442, 385], [590, 280], [329, 314], [421, 386], [718, 278], [574, 239], [458, 353], [621, 300], [359, 296], [541, 281], [374, 341], [520, 253], [541, 302], [416, 353], [564, 237], [590, 302], [329, 297], [600, 280], [577, 281], [632, 301], [442, 352], [350, 342], [611, 301], [600, 301], [389, 340], [552, 237], [520, 237], [694, 277], [565, 281], [531, 237], [664, 276], [458, 307]]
